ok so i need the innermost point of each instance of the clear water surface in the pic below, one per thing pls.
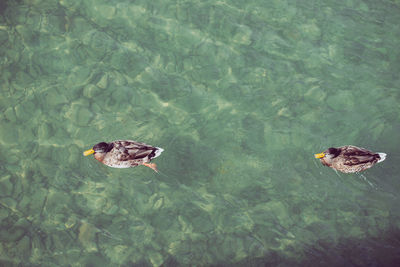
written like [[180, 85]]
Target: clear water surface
[[240, 94]]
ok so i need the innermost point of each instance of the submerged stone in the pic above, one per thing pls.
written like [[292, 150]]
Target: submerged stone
[[95, 202], [44, 131], [71, 221], [156, 258], [4, 213], [315, 95], [6, 185], [118, 254], [24, 204], [24, 248], [11, 234], [103, 82], [25, 110], [243, 35], [80, 114], [112, 211], [341, 100], [79, 76], [9, 113], [91, 90], [87, 235], [8, 133], [54, 98], [48, 168], [9, 203], [74, 156], [37, 200]]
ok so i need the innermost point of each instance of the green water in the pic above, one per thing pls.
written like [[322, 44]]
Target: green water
[[240, 94]]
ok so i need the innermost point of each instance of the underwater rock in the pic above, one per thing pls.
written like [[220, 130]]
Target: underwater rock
[[311, 31], [6, 186], [84, 116], [71, 5], [118, 78], [156, 258], [24, 204], [253, 140], [11, 234], [74, 156], [87, 234], [3, 36], [280, 211], [112, 210], [99, 42], [44, 131], [37, 200], [155, 201], [121, 95], [54, 98], [129, 63], [233, 247], [78, 77], [15, 231], [29, 35], [25, 110], [119, 254], [158, 204], [48, 168], [4, 213], [23, 247], [91, 91], [95, 203], [315, 95], [243, 35], [56, 58], [9, 203], [56, 201], [103, 82], [254, 247], [80, 114], [53, 24], [8, 133], [105, 12], [17, 16], [26, 133], [71, 221], [34, 18], [9, 114], [341, 100]]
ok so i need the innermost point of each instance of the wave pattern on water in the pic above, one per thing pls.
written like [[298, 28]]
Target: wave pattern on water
[[239, 94]]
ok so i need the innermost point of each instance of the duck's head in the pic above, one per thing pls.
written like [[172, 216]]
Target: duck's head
[[330, 153], [102, 147]]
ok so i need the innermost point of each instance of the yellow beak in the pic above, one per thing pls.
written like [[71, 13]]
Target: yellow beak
[[319, 155], [88, 152]]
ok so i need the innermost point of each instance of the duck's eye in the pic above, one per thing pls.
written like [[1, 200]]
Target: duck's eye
[[333, 151], [101, 147]]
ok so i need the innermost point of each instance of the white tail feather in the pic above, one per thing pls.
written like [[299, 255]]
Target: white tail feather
[[158, 152], [382, 156]]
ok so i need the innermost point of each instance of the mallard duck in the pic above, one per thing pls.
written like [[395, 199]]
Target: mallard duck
[[349, 159], [125, 154]]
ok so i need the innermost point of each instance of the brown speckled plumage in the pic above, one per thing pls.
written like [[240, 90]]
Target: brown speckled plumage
[[125, 153], [350, 159]]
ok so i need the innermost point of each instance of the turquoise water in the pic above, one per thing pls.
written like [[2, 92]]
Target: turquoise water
[[240, 94]]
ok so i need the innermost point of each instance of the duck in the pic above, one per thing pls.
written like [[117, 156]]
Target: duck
[[125, 154], [349, 159]]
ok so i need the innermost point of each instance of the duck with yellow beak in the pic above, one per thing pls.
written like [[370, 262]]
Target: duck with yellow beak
[[349, 159], [125, 154]]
